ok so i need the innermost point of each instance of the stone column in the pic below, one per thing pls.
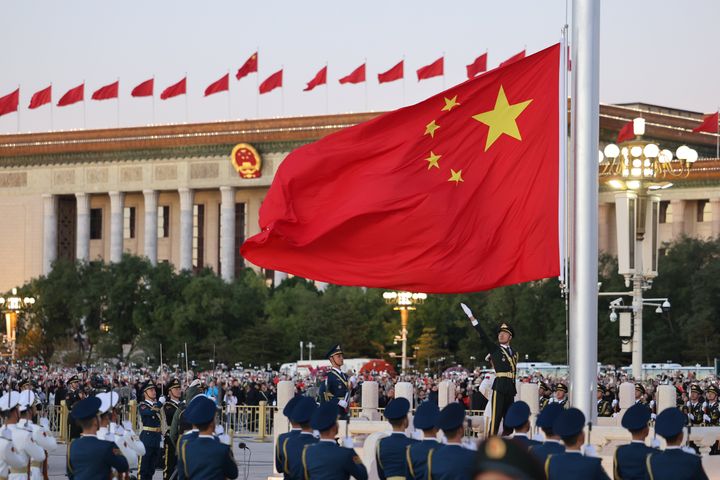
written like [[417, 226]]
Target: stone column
[[186, 228], [626, 394], [82, 243], [227, 233], [529, 395], [678, 218], [715, 208], [369, 401], [49, 231], [405, 390], [285, 392], [279, 278], [665, 397], [151, 227], [116, 225], [446, 393]]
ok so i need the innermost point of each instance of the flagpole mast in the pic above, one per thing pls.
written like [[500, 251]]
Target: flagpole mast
[[187, 119], [584, 266], [717, 136], [257, 82], [118, 103], [327, 94], [84, 108], [282, 94], [403, 81], [52, 123], [153, 101], [443, 75], [18, 110], [229, 98], [366, 86]]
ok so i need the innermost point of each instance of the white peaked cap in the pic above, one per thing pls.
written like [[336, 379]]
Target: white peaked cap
[[26, 400], [9, 401]]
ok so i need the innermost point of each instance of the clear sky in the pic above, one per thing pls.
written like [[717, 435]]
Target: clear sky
[[656, 51]]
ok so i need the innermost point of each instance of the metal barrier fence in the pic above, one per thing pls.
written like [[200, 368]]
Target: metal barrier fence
[[58, 417], [250, 420]]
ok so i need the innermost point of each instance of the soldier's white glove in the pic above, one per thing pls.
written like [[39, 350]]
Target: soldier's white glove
[[589, 450], [44, 422], [615, 414], [348, 442], [343, 403], [706, 418], [704, 405], [690, 417], [652, 404], [469, 444], [162, 443], [162, 400], [614, 403], [689, 450], [655, 443], [538, 437], [119, 431], [224, 439], [653, 416], [219, 430]]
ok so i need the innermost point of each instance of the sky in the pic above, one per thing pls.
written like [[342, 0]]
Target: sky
[[661, 52]]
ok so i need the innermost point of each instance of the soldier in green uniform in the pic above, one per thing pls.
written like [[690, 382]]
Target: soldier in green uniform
[[561, 391], [603, 406], [545, 393], [169, 408], [695, 407], [712, 412]]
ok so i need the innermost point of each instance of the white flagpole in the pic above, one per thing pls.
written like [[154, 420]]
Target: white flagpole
[[52, 123], [18, 110], [153, 101], [186, 101], [84, 107], [717, 136], [118, 103], [562, 182], [257, 82], [229, 98], [403, 82], [584, 266], [443, 75], [366, 86], [327, 91]]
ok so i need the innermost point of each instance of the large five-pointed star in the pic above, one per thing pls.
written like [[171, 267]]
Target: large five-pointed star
[[502, 118]]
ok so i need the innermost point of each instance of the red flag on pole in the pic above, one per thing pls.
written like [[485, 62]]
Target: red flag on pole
[[145, 89], [435, 69], [272, 82], [709, 124], [250, 66], [514, 58], [9, 103], [479, 65], [179, 88], [107, 92], [73, 95], [356, 76], [626, 132], [41, 98], [458, 193], [395, 73], [220, 85], [320, 78]]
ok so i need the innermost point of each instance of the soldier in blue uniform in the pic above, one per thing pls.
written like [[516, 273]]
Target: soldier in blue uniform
[[205, 457], [629, 460], [337, 385], [151, 432], [390, 451], [169, 409], [502, 459], [280, 460], [552, 444], [302, 414], [416, 454], [452, 461], [674, 463], [572, 464], [326, 460], [88, 457], [517, 418]]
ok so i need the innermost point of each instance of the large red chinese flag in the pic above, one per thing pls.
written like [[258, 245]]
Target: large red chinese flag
[[73, 95], [107, 92], [9, 103], [479, 65], [709, 124], [356, 76], [272, 82], [435, 69], [250, 66], [145, 89], [514, 58], [626, 132], [220, 85], [320, 78], [179, 88], [41, 98], [457, 193], [395, 73]]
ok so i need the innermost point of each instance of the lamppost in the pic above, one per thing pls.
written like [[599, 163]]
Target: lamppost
[[638, 169], [310, 346], [12, 305], [404, 301]]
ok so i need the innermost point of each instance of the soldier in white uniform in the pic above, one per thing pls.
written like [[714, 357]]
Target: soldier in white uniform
[[10, 458], [34, 449], [108, 429], [22, 439]]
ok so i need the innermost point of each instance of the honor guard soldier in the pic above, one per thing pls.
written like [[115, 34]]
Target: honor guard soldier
[[561, 395], [712, 410], [390, 451], [517, 419], [673, 463], [501, 458], [35, 451], [695, 410], [151, 434], [11, 460], [337, 386], [572, 463], [280, 460], [88, 457], [302, 414], [545, 393], [452, 461], [416, 454], [169, 409], [326, 460], [72, 397], [553, 444], [639, 393], [629, 460], [504, 359], [604, 409]]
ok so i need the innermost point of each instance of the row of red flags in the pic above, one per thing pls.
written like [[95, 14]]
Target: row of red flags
[[710, 124], [10, 103]]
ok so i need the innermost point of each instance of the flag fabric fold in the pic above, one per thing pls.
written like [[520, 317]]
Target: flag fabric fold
[[179, 88], [72, 96], [478, 66], [250, 66], [320, 78], [626, 132], [145, 89], [435, 69], [356, 76], [41, 97], [220, 85], [272, 82], [709, 124], [458, 193], [395, 73], [9, 103], [514, 58], [107, 92]]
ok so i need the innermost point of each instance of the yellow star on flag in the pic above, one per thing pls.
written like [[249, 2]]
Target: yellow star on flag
[[433, 160], [455, 177], [502, 118], [430, 128], [450, 103]]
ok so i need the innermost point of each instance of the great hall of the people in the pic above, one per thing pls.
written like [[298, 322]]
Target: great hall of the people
[[190, 194]]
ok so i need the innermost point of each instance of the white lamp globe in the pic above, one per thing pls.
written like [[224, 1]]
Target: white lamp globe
[[651, 150], [639, 126], [692, 155], [611, 150], [682, 152], [636, 151]]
